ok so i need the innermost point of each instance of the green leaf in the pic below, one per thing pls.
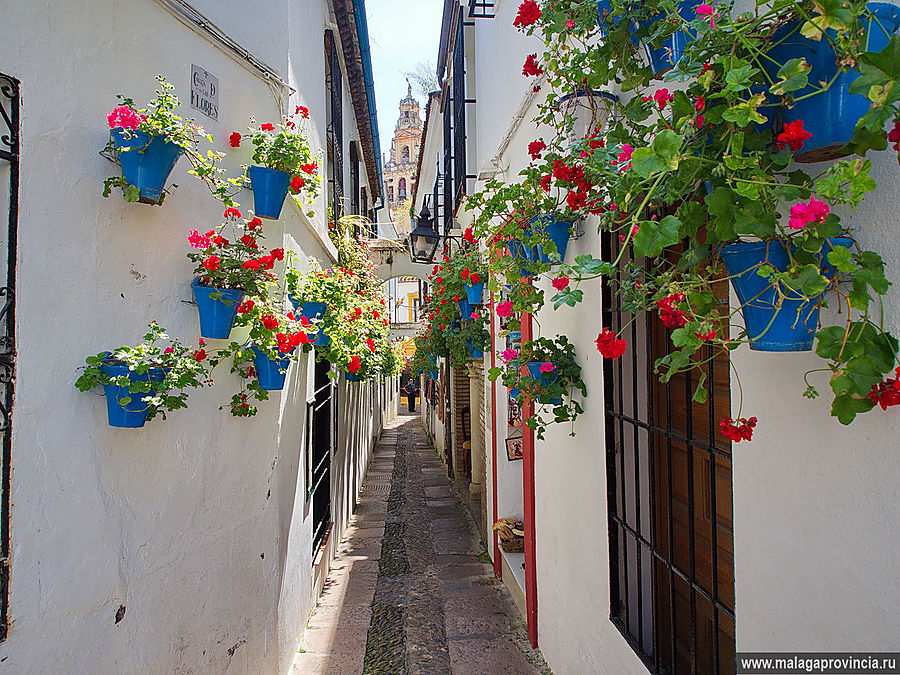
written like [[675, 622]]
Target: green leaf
[[846, 408], [829, 341], [879, 69], [132, 193], [745, 112], [810, 281], [740, 78], [570, 297], [700, 393], [652, 237], [841, 258], [792, 76], [124, 400]]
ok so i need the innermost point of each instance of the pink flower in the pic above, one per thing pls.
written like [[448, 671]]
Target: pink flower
[[474, 315], [662, 96], [509, 355], [699, 121], [894, 135], [168, 350], [624, 157], [504, 309], [804, 214], [124, 117], [560, 283], [708, 11], [547, 367], [570, 24], [198, 240]]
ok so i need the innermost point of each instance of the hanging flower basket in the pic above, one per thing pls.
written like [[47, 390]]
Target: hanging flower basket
[[465, 309], [789, 327], [217, 308], [352, 377], [270, 187], [124, 409], [146, 161], [534, 370], [830, 116], [559, 232], [663, 54], [474, 293], [270, 372], [315, 312]]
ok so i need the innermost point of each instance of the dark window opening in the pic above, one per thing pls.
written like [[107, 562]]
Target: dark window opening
[[334, 86], [319, 442], [669, 500]]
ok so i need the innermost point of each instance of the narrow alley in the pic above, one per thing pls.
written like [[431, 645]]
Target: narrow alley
[[411, 590]]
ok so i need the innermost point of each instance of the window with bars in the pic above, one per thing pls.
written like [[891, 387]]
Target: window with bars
[[334, 86], [320, 435], [9, 203], [669, 486], [481, 9], [354, 179], [459, 115]]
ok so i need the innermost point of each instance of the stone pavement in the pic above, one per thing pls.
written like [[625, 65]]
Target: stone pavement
[[410, 591]]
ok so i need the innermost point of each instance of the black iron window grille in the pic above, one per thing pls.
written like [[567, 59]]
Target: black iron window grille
[[481, 9], [354, 179], [9, 171], [334, 85], [669, 494], [319, 442], [459, 115], [447, 182]]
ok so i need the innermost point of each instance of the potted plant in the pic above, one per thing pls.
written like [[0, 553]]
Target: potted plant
[[228, 268], [283, 161], [145, 380], [147, 143], [275, 336], [544, 370], [703, 187], [313, 293]]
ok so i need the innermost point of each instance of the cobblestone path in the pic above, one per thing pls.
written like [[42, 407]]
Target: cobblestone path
[[411, 592]]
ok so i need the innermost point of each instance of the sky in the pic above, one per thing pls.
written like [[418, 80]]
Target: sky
[[402, 33]]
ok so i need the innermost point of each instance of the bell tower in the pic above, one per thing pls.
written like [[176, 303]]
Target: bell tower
[[400, 170]]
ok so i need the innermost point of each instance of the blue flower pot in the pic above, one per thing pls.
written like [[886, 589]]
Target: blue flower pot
[[148, 165], [217, 314], [832, 115], [790, 327], [534, 369], [514, 392], [352, 377], [434, 374], [474, 352], [314, 311], [663, 55], [133, 414], [604, 7], [270, 187], [558, 231], [522, 254], [465, 309], [474, 293], [270, 373]]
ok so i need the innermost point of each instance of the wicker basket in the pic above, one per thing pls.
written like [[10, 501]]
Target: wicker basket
[[514, 545]]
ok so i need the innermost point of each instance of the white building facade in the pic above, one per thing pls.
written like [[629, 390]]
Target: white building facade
[[198, 544], [802, 522]]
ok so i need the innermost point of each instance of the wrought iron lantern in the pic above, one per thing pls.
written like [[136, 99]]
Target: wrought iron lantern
[[423, 240]]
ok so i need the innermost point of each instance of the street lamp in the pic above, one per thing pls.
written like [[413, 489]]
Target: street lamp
[[423, 241]]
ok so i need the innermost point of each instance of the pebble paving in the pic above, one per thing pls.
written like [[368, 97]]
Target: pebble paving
[[410, 592]]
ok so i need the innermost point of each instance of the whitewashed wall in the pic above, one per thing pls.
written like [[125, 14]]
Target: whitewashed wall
[[815, 510], [198, 525]]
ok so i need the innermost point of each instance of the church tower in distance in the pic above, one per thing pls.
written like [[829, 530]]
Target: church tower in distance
[[400, 170]]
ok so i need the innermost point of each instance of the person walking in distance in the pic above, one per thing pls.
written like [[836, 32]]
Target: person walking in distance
[[412, 390]]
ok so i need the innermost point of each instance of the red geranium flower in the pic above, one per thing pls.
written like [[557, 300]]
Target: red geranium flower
[[211, 263], [231, 212], [610, 346], [249, 240], [887, 393], [303, 111], [793, 135], [245, 307], [235, 140], [297, 182], [528, 14], [669, 314], [269, 321], [355, 364], [535, 148], [469, 236], [531, 68], [254, 223], [267, 126], [737, 431], [312, 167], [200, 355]]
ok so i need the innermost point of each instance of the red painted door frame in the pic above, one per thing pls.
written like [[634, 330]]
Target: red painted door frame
[[498, 563], [531, 608]]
